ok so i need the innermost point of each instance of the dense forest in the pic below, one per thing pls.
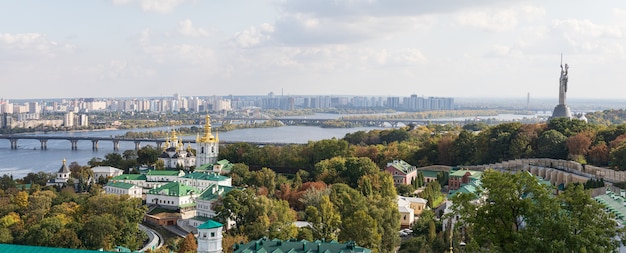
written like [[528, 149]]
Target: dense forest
[[575, 140], [43, 216]]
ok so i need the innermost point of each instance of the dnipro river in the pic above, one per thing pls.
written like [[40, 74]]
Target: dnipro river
[[29, 158]]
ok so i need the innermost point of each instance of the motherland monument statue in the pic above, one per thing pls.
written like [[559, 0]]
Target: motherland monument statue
[[562, 110]]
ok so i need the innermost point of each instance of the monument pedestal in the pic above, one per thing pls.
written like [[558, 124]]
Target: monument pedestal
[[561, 111]]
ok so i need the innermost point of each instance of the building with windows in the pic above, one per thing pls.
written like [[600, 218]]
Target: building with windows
[[62, 175], [402, 172], [121, 188], [208, 146], [204, 204], [106, 172], [174, 196], [202, 180], [175, 155], [460, 177], [210, 237]]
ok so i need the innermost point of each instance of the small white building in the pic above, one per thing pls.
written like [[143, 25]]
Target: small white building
[[164, 175], [174, 195], [63, 174], [204, 204], [202, 180], [106, 172], [121, 188], [407, 214], [210, 237]]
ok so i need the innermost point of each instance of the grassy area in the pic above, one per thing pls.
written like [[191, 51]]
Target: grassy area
[[438, 201]]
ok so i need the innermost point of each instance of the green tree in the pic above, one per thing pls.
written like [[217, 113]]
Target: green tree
[[520, 214], [552, 145], [325, 221], [618, 157], [147, 155], [326, 149], [587, 227], [6, 182], [240, 174], [265, 178], [361, 228]]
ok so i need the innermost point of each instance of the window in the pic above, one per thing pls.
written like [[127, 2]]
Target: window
[[212, 234]]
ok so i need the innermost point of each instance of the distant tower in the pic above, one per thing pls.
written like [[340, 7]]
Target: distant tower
[[528, 101], [210, 237], [562, 110], [208, 145]]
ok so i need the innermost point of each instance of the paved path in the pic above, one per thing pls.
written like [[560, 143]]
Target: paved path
[[155, 240]]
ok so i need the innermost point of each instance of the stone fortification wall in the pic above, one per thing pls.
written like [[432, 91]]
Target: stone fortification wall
[[577, 169]]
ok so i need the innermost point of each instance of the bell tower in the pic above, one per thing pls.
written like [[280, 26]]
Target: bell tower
[[208, 145], [210, 237]]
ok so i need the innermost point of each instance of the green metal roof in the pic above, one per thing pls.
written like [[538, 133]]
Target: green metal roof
[[38, 249], [120, 185], [213, 192], [210, 224], [473, 174], [206, 176], [163, 173], [429, 173], [174, 189], [401, 166], [294, 246], [205, 166], [141, 177], [223, 161], [614, 203]]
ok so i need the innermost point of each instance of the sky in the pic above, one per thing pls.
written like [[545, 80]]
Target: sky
[[445, 48]]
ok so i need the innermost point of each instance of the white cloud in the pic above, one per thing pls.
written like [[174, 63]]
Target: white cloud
[[121, 69], [489, 20], [32, 44], [161, 6], [186, 28], [254, 36], [586, 28]]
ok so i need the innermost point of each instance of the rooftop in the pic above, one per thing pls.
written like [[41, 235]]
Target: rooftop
[[40, 249], [105, 169], [141, 177], [206, 176], [294, 246], [121, 185], [163, 173], [174, 189], [401, 166], [473, 174], [210, 224], [214, 191], [614, 203]]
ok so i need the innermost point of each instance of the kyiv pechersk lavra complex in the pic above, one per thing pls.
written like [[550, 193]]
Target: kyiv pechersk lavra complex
[[175, 155]]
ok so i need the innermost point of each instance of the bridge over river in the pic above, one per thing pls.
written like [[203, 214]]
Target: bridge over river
[[43, 139]]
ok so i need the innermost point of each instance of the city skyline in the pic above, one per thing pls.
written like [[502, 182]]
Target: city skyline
[[152, 48]]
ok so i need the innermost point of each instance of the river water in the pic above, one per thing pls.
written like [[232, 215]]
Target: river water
[[29, 158]]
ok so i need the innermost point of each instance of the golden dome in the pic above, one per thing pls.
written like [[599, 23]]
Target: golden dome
[[208, 136]]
